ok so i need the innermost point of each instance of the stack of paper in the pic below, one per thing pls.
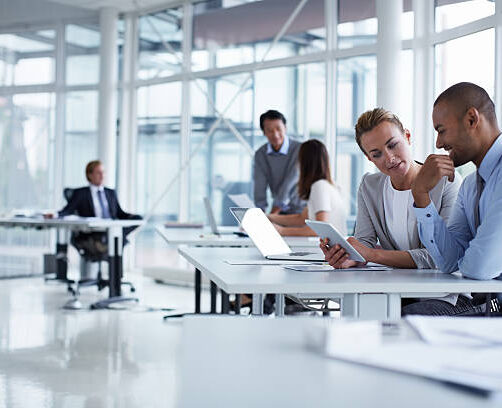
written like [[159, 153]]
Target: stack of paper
[[462, 351]]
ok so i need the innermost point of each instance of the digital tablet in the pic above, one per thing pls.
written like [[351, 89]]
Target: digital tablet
[[326, 230]]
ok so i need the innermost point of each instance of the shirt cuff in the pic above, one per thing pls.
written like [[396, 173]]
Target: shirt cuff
[[427, 214]]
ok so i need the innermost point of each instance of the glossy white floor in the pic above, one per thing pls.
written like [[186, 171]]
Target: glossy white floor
[[50, 357]]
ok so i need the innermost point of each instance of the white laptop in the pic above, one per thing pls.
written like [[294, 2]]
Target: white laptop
[[266, 238]]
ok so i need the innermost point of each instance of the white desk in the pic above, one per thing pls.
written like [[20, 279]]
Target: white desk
[[113, 229], [363, 294], [258, 362], [202, 237]]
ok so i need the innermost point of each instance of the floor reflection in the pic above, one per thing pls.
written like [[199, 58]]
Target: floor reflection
[[50, 357]]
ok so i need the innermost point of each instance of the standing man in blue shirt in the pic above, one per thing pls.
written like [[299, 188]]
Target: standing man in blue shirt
[[464, 117], [275, 166]]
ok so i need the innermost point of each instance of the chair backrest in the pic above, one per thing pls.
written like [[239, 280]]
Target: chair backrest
[[68, 193]]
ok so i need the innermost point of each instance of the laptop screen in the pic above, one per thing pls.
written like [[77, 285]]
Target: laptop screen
[[261, 231]]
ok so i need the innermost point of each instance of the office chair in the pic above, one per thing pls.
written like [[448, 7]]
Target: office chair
[[88, 257]]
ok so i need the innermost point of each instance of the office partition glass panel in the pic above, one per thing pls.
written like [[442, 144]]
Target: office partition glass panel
[[453, 64], [27, 58], [356, 93], [160, 44], [242, 33], [453, 13], [82, 54], [81, 135]]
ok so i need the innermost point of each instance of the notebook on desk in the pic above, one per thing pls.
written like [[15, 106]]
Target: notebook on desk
[[266, 238]]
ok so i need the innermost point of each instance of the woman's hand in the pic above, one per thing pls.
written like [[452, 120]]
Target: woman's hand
[[338, 257], [366, 253]]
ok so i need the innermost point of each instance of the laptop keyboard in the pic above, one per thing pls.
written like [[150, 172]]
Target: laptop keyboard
[[300, 253]]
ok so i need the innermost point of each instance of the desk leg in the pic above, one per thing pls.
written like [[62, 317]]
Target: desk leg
[[198, 279], [279, 305], [114, 270], [394, 306], [237, 304], [225, 302], [257, 308], [214, 295], [349, 305], [62, 256], [371, 306]]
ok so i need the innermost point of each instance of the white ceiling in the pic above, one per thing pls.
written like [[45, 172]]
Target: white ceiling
[[121, 5]]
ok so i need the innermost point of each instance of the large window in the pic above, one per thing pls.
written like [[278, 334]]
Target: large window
[[81, 135], [26, 151], [160, 42], [453, 13], [27, 58], [243, 33], [158, 149], [470, 58], [82, 54], [356, 93], [357, 23]]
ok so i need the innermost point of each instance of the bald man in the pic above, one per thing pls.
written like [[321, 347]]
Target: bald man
[[465, 120]]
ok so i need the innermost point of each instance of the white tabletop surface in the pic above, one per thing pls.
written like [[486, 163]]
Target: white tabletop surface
[[204, 237], [94, 223], [276, 279], [259, 362]]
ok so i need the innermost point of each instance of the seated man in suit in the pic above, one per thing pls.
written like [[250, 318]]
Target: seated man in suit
[[95, 201]]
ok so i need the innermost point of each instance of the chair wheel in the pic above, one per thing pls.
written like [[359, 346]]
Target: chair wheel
[[133, 289]]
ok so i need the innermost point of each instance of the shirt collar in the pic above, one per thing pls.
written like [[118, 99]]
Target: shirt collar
[[491, 159], [96, 188], [283, 150]]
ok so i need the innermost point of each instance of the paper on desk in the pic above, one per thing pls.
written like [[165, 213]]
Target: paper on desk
[[264, 262], [328, 268], [460, 331], [474, 367], [242, 200]]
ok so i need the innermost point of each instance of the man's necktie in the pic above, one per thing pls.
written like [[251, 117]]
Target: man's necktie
[[480, 185], [104, 209]]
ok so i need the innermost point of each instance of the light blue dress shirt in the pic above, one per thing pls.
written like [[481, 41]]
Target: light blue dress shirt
[[458, 246], [283, 150]]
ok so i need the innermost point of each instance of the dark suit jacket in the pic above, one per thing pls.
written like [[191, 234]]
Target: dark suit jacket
[[81, 204]]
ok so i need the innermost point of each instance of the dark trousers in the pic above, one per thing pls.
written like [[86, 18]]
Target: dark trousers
[[436, 307]]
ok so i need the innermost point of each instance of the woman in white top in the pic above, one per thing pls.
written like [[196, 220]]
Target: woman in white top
[[324, 198]]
